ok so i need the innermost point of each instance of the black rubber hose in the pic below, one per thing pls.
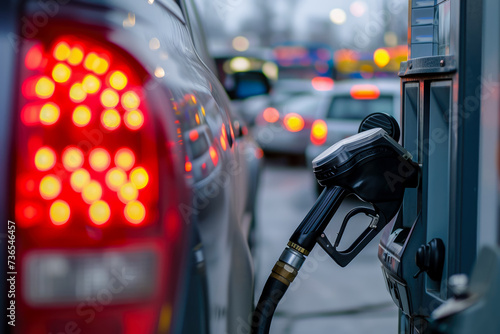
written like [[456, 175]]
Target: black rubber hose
[[269, 300]]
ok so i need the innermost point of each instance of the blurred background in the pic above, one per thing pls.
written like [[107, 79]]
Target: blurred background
[[331, 63]]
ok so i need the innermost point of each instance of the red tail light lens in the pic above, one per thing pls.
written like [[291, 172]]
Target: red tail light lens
[[86, 153], [271, 115], [319, 132], [293, 122], [365, 92]]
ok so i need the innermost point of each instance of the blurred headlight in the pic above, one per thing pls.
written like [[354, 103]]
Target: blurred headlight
[[55, 278]]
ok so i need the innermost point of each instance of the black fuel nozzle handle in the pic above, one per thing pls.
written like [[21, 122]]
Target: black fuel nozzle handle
[[314, 223], [370, 165]]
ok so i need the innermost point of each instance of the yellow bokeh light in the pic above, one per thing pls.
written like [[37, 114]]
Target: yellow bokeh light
[[49, 113], [44, 88], [61, 73], [75, 56], [139, 177], [50, 187], [109, 98], [134, 212], [89, 61], [92, 192], [110, 119], [115, 178], [79, 179], [134, 119], [118, 80], [100, 66], [62, 51], [45, 159], [124, 158], [81, 116], [91, 84], [59, 212], [381, 57], [72, 158], [99, 159], [99, 212], [128, 192], [130, 100], [76, 93]]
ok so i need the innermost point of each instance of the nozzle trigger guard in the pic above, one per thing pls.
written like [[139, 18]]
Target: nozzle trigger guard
[[379, 221], [367, 211]]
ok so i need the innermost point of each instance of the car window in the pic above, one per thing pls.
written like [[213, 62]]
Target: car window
[[305, 105], [345, 107]]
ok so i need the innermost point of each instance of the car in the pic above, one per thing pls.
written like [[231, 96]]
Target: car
[[129, 180], [341, 111]]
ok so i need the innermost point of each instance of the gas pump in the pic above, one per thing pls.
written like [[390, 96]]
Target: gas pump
[[446, 207]]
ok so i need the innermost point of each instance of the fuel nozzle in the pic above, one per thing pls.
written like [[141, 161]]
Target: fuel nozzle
[[370, 165]]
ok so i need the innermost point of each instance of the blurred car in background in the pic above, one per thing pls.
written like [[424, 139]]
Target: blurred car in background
[[282, 90], [131, 182], [341, 111], [284, 127]]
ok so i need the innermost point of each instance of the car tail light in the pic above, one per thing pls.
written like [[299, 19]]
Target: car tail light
[[271, 115], [88, 149], [365, 92], [322, 83], [85, 141], [293, 122], [319, 132]]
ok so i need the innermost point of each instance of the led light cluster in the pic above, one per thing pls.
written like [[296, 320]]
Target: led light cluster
[[74, 89]]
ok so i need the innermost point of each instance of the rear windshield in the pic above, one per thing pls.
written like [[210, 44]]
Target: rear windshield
[[346, 107], [305, 105]]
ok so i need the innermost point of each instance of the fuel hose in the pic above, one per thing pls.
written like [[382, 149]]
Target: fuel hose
[[292, 258]]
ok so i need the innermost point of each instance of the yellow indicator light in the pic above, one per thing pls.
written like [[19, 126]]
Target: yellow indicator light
[[134, 119], [115, 178], [128, 192], [130, 100], [99, 212], [79, 179], [99, 159], [118, 80], [75, 56], [76, 93], [61, 73], [89, 61], [72, 158], [44, 88], [81, 116], [134, 212], [91, 84], [381, 57], [110, 119], [92, 192], [139, 177], [50, 187], [62, 51], [45, 159], [100, 66], [49, 113], [124, 158], [109, 98], [59, 212]]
